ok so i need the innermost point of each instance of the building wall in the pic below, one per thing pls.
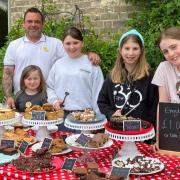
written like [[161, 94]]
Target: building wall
[[106, 15]]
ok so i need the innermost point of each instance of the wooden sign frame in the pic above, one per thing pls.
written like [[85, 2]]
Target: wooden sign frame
[[173, 113]]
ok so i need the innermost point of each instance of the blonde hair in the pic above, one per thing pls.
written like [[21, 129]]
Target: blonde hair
[[170, 33], [119, 74], [26, 73]]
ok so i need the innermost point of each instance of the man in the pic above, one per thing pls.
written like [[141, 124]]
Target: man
[[34, 48]]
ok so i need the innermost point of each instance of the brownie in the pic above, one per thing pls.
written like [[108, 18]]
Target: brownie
[[9, 151], [116, 177], [92, 166], [79, 171], [2, 148]]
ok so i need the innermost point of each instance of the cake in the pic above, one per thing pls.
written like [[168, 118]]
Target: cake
[[116, 122], [6, 114], [9, 151], [92, 166], [51, 113], [87, 115]]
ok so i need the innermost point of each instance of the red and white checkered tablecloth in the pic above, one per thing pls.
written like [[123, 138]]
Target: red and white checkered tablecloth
[[103, 158]]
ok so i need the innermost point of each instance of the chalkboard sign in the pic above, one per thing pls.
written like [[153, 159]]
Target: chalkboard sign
[[38, 115], [23, 147], [169, 128], [8, 143], [131, 125], [69, 164], [82, 139], [123, 172], [47, 143]]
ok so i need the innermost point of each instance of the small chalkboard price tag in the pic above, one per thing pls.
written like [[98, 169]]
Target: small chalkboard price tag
[[38, 115], [23, 147], [83, 139], [47, 143], [123, 172], [131, 125], [69, 164], [115, 153], [169, 128], [8, 143]]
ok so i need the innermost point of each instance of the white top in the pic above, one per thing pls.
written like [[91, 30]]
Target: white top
[[22, 52], [167, 76], [78, 77]]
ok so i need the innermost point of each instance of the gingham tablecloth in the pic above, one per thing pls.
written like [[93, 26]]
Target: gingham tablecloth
[[103, 158]]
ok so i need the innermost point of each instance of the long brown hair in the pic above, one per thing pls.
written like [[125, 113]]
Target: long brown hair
[[26, 73], [118, 73], [170, 33]]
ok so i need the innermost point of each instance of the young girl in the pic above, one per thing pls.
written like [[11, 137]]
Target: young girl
[[76, 75], [128, 89], [33, 89], [167, 75]]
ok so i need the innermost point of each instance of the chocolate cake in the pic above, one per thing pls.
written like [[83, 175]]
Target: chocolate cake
[[116, 122], [9, 151]]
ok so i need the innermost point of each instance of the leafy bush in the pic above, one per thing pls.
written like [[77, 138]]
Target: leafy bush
[[152, 18]]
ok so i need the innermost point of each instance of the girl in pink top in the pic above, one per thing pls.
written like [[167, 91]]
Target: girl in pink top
[[167, 75]]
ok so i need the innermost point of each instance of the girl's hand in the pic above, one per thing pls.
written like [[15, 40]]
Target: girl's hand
[[10, 102], [117, 113], [154, 147], [94, 58], [57, 105]]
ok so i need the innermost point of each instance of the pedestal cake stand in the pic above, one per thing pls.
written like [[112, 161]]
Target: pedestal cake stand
[[42, 131], [129, 148]]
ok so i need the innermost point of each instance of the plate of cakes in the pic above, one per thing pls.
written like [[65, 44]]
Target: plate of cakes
[[18, 135], [41, 161], [50, 112], [86, 116], [139, 165], [97, 141], [8, 154], [57, 147]]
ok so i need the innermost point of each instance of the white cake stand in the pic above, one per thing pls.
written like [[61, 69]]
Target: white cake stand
[[42, 131], [6, 122], [129, 148], [85, 127]]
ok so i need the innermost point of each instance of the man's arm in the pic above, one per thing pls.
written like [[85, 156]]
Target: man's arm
[[8, 72]]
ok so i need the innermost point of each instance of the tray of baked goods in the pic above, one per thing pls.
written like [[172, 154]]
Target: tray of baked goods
[[18, 135], [96, 141], [46, 111], [86, 116], [139, 165], [41, 161], [58, 146]]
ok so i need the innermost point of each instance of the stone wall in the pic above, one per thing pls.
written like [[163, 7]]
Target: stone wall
[[106, 15]]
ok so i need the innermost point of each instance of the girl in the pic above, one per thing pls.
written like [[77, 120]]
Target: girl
[[33, 89], [128, 89], [76, 75], [167, 75]]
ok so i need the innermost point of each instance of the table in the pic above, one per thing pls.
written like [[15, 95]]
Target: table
[[103, 158]]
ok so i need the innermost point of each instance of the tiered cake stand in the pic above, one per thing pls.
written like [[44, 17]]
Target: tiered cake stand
[[129, 148], [7, 122], [42, 131]]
